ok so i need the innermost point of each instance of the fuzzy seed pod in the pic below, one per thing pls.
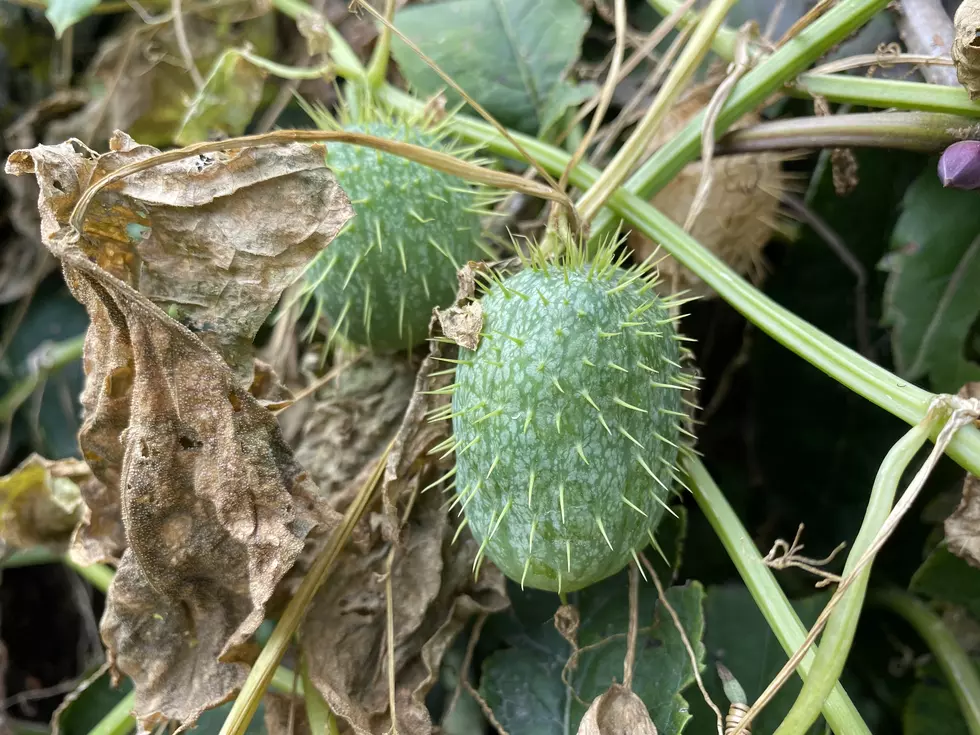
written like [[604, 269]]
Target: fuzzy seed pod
[[740, 214], [567, 425], [966, 46]]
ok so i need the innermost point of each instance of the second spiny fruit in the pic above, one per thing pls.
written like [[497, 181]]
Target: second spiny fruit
[[567, 422], [413, 228]]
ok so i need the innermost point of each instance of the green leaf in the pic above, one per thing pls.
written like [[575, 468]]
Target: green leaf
[[932, 705], [509, 55], [227, 101], [84, 708], [944, 577], [563, 97], [738, 636], [523, 684], [931, 298], [63, 14]]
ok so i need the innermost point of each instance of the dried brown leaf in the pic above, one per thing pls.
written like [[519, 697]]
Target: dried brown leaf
[[966, 46], [176, 232], [963, 526], [285, 716], [40, 502], [347, 429], [215, 507], [191, 464], [434, 594], [617, 712]]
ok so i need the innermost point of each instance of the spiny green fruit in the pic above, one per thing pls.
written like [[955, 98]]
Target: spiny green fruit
[[397, 258], [567, 420]]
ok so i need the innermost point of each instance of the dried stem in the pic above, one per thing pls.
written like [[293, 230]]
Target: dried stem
[[605, 97], [420, 154], [685, 641], [926, 29], [464, 668], [634, 603], [184, 45]]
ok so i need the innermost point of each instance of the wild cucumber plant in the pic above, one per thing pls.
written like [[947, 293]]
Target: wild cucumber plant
[[629, 200], [413, 228], [567, 426]]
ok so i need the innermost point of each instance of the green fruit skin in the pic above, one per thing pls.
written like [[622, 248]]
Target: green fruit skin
[[398, 257], [560, 324]]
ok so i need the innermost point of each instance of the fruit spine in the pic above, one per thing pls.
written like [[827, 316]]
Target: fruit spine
[[567, 419]]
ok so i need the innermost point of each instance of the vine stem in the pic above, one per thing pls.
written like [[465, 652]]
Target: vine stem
[[835, 643], [755, 88], [925, 132], [895, 395], [961, 673], [838, 709]]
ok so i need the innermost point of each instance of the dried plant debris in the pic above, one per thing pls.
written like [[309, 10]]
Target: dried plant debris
[[741, 212], [40, 503], [349, 427], [174, 232], [963, 526], [434, 594], [214, 507], [433, 590], [966, 46], [147, 90], [617, 712]]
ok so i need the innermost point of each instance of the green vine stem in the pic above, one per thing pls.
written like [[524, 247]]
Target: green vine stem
[[838, 708], [46, 359], [835, 643], [754, 90], [897, 396], [961, 673], [845, 88], [925, 132], [119, 720]]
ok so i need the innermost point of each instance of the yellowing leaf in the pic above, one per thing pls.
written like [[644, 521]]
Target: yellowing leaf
[[40, 502]]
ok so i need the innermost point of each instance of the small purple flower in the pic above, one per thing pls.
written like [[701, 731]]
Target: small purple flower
[[959, 166]]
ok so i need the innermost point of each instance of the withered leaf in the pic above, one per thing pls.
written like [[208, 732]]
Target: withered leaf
[[962, 528], [966, 46], [216, 509], [177, 233], [463, 321], [40, 502], [434, 594], [617, 712], [347, 429]]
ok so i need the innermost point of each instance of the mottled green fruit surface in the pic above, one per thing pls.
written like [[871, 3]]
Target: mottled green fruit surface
[[380, 278], [566, 423]]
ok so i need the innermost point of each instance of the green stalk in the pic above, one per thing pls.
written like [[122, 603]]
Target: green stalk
[[318, 712], [119, 720], [97, 575], [883, 93], [346, 62], [961, 672], [835, 643], [636, 146], [47, 358], [838, 709], [925, 132], [750, 93]]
